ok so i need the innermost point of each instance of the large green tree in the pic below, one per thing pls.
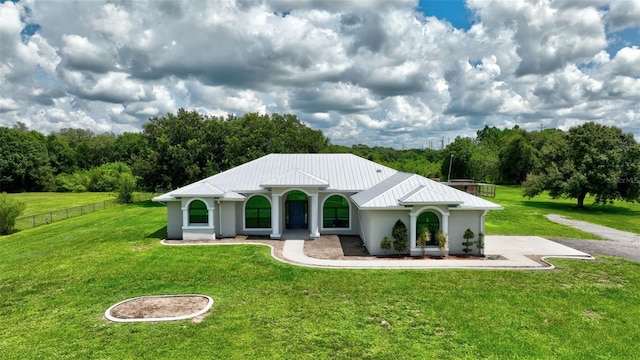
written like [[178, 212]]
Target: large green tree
[[24, 161], [187, 146], [592, 159], [518, 157], [459, 154]]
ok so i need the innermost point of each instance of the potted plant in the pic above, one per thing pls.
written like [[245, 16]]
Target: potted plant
[[480, 244], [442, 242], [468, 235], [385, 245], [423, 239]]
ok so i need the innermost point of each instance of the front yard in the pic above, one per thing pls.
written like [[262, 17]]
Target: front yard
[[57, 280]]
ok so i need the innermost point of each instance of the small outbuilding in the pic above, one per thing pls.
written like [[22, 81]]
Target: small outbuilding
[[313, 194]]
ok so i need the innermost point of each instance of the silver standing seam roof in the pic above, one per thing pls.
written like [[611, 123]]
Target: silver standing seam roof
[[373, 186]]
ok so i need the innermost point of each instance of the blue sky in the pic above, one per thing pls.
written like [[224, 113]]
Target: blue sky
[[362, 71], [453, 11]]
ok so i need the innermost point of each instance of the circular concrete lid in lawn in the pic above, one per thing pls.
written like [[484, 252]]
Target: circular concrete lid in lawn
[[159, 308]]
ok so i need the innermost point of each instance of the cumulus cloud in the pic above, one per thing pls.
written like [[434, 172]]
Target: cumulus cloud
[[623, 14], [367, 71], [80, 54]]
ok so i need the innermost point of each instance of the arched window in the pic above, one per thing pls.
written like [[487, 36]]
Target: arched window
[[429, 220], [198, 212], [335, 213], [257, 213]]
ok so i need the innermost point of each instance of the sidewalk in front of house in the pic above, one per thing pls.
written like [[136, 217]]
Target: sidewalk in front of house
[[510, 253], [518, 253]]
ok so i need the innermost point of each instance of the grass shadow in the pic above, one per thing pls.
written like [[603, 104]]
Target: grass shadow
[[158, 234], [147, 204]]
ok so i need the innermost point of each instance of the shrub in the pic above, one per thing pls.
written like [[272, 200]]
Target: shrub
[[442, 240], [399, 233], [126, 187], [385, 244], [424, 238], [468, 235], [10, 209]]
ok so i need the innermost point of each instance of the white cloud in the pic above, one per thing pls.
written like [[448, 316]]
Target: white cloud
[[623, 14], [81, 54], [368, 71]]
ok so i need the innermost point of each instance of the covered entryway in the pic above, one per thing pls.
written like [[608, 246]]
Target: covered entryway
[[296, 210]]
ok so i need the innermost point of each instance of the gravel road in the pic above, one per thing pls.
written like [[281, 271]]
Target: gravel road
[[617, 243]]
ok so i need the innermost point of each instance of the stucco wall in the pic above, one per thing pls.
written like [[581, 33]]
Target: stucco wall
[[228, 215], [377, 224], [174, 220], [459, 221]]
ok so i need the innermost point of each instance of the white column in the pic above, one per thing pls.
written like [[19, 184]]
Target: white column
[[313, 217], [412, 230], [185, 216], [445, 227], [212, 225], [275, 216]]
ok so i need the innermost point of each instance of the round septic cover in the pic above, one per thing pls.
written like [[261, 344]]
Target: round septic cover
[[159, 308]]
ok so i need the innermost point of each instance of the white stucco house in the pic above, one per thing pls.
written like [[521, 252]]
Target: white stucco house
[[313, 194]]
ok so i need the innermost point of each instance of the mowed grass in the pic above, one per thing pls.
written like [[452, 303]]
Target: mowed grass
[[41, 202], [524, 216], [57, 280]]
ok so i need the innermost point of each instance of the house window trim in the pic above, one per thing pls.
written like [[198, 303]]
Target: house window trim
[[438, 217], [197, 226], [322, 213], [244, 215]]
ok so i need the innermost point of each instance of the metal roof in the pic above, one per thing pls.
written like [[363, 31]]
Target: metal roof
[[295, 178], [410, 189], [374, 185], [343, 172]]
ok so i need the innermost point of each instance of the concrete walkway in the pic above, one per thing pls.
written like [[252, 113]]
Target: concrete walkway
[[502, 253], [621, 243], [516, 251]]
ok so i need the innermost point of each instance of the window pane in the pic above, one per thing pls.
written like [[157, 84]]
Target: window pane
[[296, 195], [430, 221], [335, 212], [258, 212], [198, 213]]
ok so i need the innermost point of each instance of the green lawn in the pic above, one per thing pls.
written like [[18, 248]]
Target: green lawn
[[524, 216], [40, 202], [57, 280]]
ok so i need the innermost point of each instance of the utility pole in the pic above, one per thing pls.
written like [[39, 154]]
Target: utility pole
[[450, 161]]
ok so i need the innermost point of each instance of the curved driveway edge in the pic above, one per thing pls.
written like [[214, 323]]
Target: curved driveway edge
[[516, 250]]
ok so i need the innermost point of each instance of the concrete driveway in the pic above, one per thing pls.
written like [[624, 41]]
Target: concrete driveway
[[515, 252], [511, 253]]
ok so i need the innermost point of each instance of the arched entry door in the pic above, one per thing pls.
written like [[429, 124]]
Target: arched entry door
[[296, 210]]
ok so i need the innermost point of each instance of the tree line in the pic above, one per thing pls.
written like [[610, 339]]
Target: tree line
[[171, 151], [176, 149]]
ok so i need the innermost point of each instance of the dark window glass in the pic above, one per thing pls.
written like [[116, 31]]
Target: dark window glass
[[335, 213], [257, 213], [429, 220], [198, 213]]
